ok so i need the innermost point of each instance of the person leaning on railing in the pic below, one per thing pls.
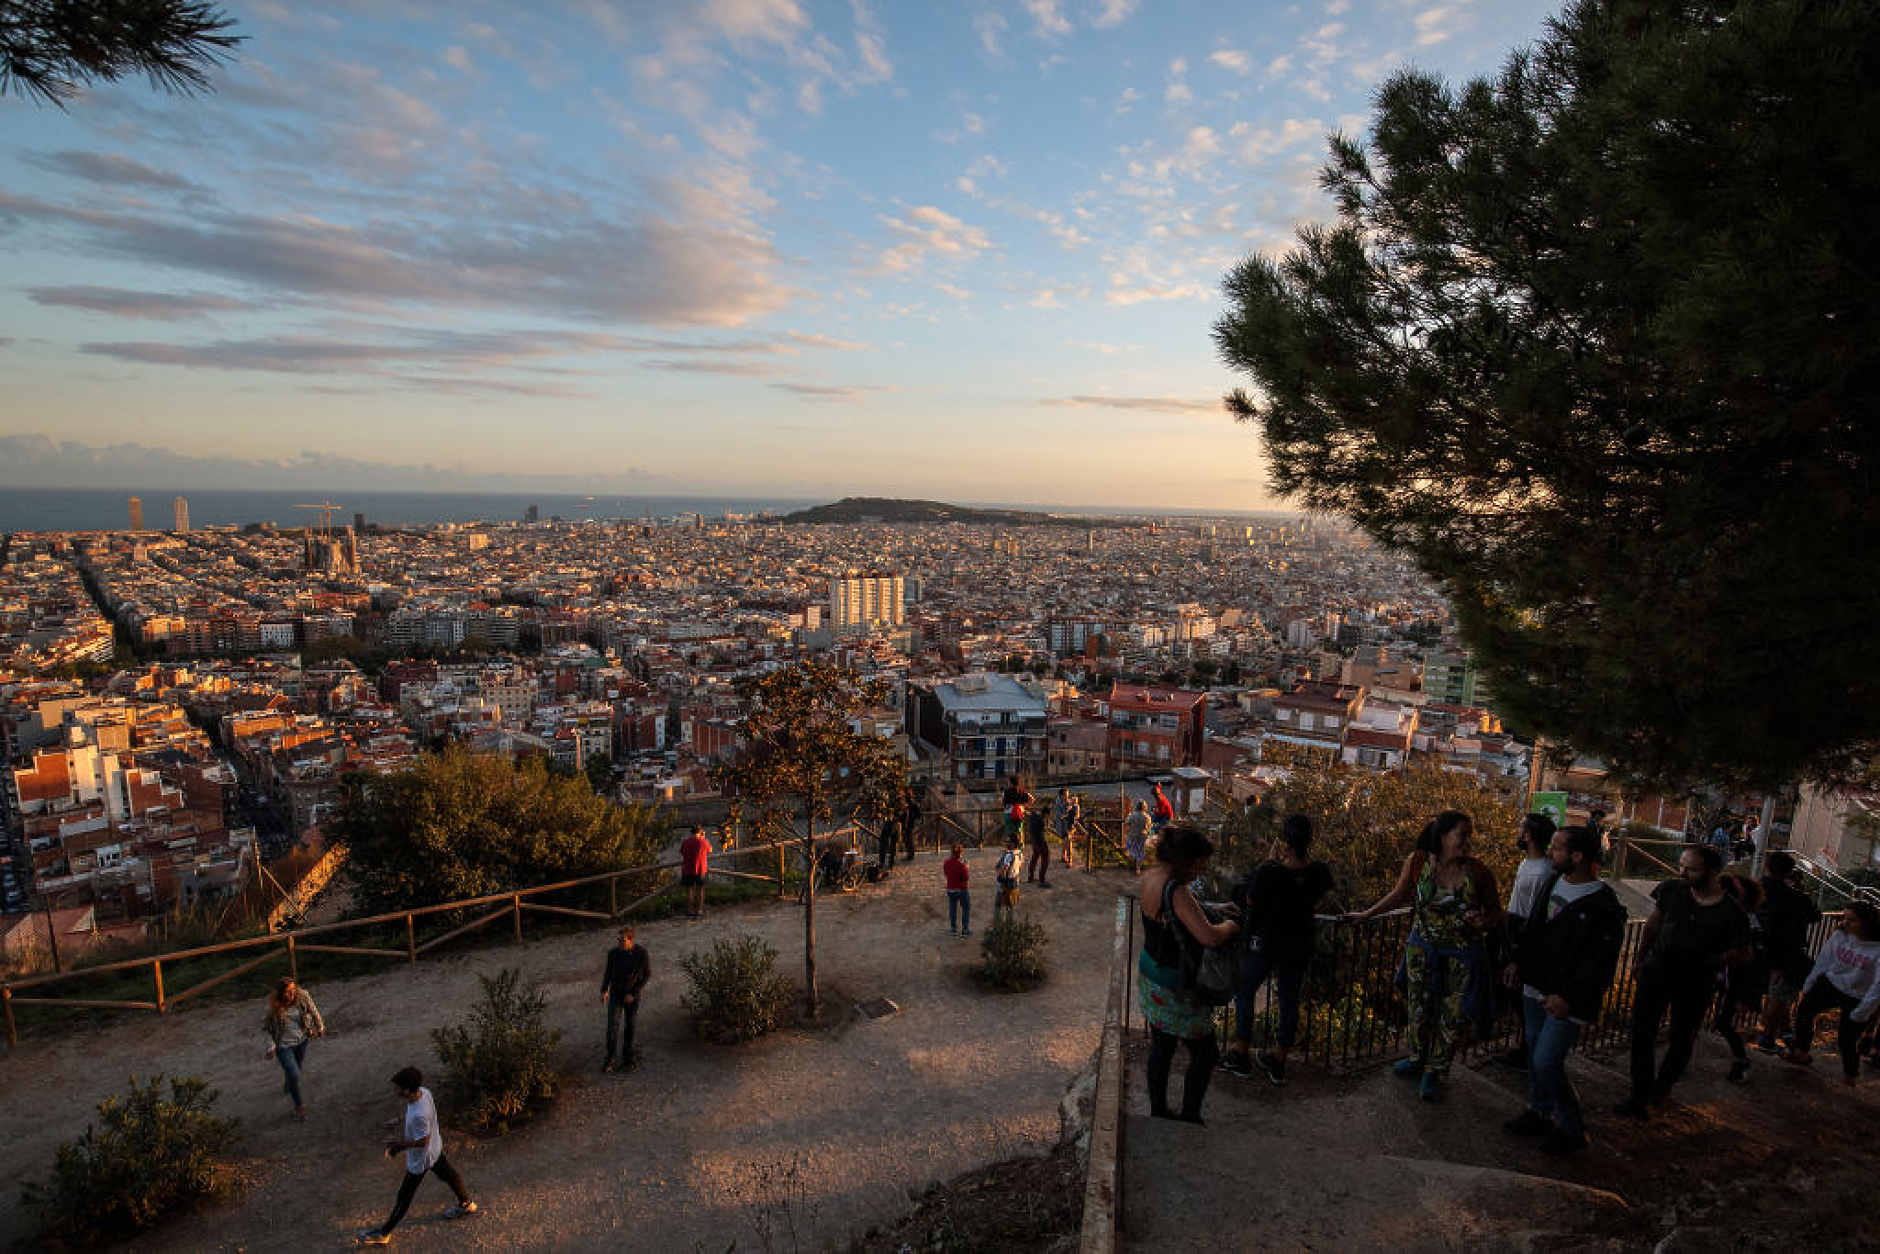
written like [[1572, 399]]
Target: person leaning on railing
[[1447, 985]]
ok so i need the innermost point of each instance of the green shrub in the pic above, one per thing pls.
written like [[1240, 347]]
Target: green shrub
[[737, 993], [499, 1060], [153, 1155], [1013, 953]]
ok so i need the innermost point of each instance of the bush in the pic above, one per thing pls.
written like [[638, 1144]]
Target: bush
[[1013, 953], [499, 1060], [154, 1155], [737, 993]]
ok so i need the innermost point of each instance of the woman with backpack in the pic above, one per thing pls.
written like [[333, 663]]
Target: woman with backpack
[[1447, 985], [1174, 921]]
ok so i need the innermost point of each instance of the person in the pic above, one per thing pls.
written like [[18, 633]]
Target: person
[[1564, 960], [1695, 929], [695, 853], [292, 1021], [1014, 801], [1720, 839], [1530, 876], [1172, 918], [1845, 977], [887, 840], [1741, 983], [1136, 834], [627, 971], [1161, 809], [1787, 914], [1064, 816], [423, 1146], [1006, 875], [1038, 849], [1277, 901], [959, 900], [910, 822], [1454, 903]]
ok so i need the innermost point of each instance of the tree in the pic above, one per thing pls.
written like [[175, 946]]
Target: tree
[[49, 49], [599, 768], [799, 748], [1596, 343], [461, 825]]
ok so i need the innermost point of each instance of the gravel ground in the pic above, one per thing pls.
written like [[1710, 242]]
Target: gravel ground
[[833, 1132]]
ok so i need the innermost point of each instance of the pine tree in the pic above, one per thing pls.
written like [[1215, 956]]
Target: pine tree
[[1595, 341]]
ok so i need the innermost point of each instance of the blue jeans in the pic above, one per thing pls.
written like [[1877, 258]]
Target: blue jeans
[[1550, 1091], [1270, 959], [959, 909], [291, 1060]]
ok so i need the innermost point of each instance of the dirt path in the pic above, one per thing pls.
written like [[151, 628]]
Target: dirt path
[[696, 1146]]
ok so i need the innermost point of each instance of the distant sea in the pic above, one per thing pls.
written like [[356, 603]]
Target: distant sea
[[96, 509]]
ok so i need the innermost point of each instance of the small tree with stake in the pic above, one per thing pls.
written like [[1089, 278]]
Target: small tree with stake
[[799, 748]]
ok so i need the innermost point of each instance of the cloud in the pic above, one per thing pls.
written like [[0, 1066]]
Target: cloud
[[122, 303], [1045, 299], [1231, 59], [1178, 93], [771, 21], [1152, 404], [1122, 293], [991, 28], [1049, 17], [832, 392], [33, 459], [927, 231], [1433, 25], [1113, 12], [1253, 146], [110, 170]]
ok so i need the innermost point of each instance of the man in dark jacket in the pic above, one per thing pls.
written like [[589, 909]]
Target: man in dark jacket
[[627, 971], [1786, 913], [1564, 963]]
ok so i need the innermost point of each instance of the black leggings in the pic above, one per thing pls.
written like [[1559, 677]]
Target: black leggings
[[1824, 996], [1203, 1053], [443, 1171]]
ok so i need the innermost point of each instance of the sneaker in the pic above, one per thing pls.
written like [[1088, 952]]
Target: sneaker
[[1559, 1143], [460, 1210], [1430, 1089], [607, 1068], [1273, 1065], [1739, 1072], [1633, 1108], [373, 1236], [966, 931], [1407, 1068], [1233, 1062], [300, 1113], [1529, 1122]]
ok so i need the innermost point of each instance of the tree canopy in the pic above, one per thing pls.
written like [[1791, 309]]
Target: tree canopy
[[1595, 342], [461, 825], [49, 49]]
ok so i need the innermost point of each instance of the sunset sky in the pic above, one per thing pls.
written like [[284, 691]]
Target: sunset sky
[[968, 251]]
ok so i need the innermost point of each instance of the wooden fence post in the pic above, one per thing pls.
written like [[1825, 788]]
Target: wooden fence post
[[515, 902], [613, 897], [6, 1000], [779, 870], [411, 938], [293, 962], [156, 969]]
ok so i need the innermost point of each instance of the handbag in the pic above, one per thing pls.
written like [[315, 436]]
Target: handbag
[[1210, 974]]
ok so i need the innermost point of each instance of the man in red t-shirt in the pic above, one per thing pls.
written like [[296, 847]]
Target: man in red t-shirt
[[695, 853], [959, 902]]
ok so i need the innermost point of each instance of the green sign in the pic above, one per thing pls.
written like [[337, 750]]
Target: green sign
[[1552, 804]]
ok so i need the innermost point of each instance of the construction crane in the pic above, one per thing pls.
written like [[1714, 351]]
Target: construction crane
[[326, 509]]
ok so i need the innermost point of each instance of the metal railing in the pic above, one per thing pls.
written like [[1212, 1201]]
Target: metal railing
[[289, 946]]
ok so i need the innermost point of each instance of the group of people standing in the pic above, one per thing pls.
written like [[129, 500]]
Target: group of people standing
[[1553, 950]]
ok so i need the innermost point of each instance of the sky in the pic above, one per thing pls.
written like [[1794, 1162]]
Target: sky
[[966, 250]]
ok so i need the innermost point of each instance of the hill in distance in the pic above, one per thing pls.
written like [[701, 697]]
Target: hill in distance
[[881, 509]]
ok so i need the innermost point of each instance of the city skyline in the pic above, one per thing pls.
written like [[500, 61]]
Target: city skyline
[[749, 247]]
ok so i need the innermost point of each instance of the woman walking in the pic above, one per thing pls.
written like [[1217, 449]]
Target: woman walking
[[1454, 902], [1172, 918], [292, 1021], [1136, 834], [1846, 978]]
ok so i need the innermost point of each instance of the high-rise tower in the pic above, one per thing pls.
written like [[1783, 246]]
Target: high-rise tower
[[137, 513], [860, 601], [181, 506]]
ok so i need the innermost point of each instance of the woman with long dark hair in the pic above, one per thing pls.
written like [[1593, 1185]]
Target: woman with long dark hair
[[292, 1021], [1446, 985], [1171, 919]]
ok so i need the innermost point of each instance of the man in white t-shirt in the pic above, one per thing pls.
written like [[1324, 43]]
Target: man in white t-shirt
[[423, 1146]]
